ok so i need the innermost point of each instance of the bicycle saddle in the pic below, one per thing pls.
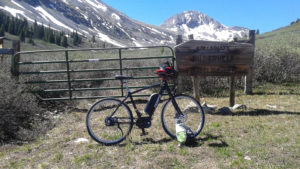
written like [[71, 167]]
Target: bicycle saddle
[[121, 77]]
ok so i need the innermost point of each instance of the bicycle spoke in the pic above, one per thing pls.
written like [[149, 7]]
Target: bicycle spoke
[[191, 115], [105, 128]]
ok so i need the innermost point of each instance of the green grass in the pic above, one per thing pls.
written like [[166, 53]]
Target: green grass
[[258, 137], [285, 39]]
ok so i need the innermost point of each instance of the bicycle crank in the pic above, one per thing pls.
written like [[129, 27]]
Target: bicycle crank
[[143, 122]]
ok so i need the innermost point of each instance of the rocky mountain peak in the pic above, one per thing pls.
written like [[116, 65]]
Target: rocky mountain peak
[[202, 27]]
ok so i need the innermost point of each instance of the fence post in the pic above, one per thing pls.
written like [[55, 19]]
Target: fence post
[[249, 76], [15, 59], [179, 78], [195, 79], [69, 75], [121, 70]]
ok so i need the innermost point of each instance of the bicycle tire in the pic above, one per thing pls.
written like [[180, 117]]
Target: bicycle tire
[[193, 115], [107, 129]]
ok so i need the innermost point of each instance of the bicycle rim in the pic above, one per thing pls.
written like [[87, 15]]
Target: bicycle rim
[[193, 115], [106, 128]]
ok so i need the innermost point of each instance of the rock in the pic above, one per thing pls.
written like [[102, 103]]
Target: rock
[[239, 106], [271, 106], [204, 104], [191, 107], [81, 140], [224, 110], [208, 108], [247, 158]]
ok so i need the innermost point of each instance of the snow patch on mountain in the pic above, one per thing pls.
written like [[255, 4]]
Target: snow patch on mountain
[[65, 1], [106, 38], [47, 16], [20, 6], [115, 16], [12, 11], [97, 4], [202, 27]]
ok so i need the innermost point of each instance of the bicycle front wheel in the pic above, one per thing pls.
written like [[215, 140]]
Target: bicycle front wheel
[[109, 121], [192, 115]]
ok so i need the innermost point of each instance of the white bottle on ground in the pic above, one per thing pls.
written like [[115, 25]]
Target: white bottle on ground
[[180, 133]]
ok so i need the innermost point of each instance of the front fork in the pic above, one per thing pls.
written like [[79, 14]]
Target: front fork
[[179, 114]]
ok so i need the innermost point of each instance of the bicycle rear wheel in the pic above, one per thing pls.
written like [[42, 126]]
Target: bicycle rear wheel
[[109, 121], [193, 116]]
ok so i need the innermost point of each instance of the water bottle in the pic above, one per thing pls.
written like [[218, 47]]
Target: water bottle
[[180, 133]]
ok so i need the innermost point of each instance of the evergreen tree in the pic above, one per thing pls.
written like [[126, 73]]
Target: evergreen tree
[[93, 39], [257, 32], [11, 27], [57, 39], [64, 41], [76, 38], [6, 23], [22, 36], [35, 29], [1, 18], [51, 38], [42, 31], [30, 40], [2, 31]]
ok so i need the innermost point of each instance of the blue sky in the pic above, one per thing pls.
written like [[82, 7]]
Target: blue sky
[[265, 15]]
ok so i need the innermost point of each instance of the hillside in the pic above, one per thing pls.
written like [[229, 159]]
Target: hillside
[[287, 37], [89, 18], [277, 55]]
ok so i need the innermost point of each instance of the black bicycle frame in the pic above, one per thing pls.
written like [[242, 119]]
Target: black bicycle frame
[[164, 86]]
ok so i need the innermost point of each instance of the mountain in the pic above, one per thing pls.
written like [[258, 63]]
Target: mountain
[[88, 18], [94, 18], [202, 27]]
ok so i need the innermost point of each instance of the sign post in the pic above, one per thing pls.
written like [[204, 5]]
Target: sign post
[[249, 76], [195, 80]]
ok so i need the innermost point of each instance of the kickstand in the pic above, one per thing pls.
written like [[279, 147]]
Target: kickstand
[[144, 133]]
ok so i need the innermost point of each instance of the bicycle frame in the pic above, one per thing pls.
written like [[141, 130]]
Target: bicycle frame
[[164, 87]]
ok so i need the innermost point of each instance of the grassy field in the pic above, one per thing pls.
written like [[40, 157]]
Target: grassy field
[[284, 38], [265, 135]]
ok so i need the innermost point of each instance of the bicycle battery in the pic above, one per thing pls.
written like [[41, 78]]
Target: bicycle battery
[[151, 104]]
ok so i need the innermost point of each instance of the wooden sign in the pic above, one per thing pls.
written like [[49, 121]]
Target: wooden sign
[[209, 58]]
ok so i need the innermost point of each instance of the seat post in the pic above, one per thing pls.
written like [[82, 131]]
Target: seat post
[[126, 85]]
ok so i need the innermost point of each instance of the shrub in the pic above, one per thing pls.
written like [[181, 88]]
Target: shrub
[[277, 66], [21, 119]]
